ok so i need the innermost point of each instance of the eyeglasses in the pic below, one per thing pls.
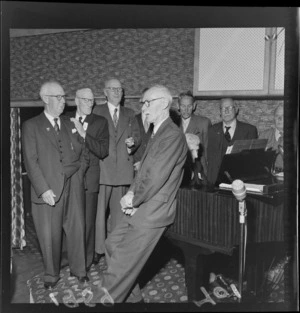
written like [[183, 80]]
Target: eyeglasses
[[86, 100], [147, 102], [118, 89], [230, 108], [58, 97]]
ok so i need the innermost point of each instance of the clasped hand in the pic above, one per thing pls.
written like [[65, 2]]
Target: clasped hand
[[78, 126], [126, 204]]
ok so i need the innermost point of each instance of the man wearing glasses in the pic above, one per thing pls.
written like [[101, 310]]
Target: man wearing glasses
[[117, 169], [149, 206], [55, 161], [223, 134], [94, 131]]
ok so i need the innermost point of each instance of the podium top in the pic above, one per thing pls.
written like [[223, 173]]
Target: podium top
[[249, 144], [249, 165]]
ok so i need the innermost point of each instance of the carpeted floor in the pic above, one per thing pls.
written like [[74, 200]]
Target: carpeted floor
[[162, 279]]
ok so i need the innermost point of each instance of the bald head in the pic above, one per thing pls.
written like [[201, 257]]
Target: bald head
[[113, 91], [278, 117], [157, 103], [53, 97], [84, 101], [50, 88]]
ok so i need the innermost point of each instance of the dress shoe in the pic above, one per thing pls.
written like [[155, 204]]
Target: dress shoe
[[81, 279], [49, 285], [97, 258]]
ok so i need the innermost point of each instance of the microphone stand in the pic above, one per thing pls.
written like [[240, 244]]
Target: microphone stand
[[243, 214]]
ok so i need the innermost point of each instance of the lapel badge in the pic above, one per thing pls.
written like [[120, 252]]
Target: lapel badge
[[85, 125], [74, 130], [48, 128]]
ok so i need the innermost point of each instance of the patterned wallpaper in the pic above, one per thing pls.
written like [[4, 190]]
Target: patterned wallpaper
[[138, 57]]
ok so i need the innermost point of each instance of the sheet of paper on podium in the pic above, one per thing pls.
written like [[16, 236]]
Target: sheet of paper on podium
[[249, 144]]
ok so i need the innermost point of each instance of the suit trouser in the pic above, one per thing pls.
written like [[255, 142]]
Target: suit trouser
[[50, 222], [127, 250], [91, 199], [108, 196]]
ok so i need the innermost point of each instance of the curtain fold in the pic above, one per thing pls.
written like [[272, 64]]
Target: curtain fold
[[17, 204]]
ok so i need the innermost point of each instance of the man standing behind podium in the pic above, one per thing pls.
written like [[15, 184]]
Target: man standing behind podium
[[94, 130], [223, 134], [275, 137], [117, 169]]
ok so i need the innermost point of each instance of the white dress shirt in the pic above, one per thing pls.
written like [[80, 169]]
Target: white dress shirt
[[51, 119]]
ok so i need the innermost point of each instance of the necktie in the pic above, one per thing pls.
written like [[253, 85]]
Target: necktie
[[115, 118], [80, 120], [280, 139], [146, 125], [56, 126], [226, 134]]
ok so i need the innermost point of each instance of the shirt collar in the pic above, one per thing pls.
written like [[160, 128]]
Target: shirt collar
[[77, 117], [112, 108], [277, 134], [232, 126], [51, 118], [156, 127]]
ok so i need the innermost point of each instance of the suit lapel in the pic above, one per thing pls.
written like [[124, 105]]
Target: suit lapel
[[155, 138], [123, 122], [190, 127]]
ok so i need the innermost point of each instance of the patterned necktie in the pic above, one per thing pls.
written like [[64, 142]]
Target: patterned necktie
[[226, 134], [81, 120], [56, 126], [115, 118]]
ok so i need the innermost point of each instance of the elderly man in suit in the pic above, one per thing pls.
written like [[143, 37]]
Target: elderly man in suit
[[117, 170], [94, 131], [146, 131], [191, 123], [55, 162], [149, 206], [223, 134], [275, 138]]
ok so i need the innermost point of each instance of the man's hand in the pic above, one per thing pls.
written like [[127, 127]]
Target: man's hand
[[126, 201], [79, 127], [129, 211], [137, 166], [129, 142], [48, 197]]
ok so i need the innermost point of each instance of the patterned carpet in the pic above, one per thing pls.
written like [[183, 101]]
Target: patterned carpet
[[162, 279]]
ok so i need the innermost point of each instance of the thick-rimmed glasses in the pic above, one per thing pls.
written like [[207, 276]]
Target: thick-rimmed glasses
[[115, 89], [147, 102], [58, 97], [229, 108], [86, 100]]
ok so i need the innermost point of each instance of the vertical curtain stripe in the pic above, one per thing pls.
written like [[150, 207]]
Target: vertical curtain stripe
[[17, 204]]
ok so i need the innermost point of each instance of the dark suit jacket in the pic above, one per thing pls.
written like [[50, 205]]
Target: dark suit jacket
[[156, 183], [44, 165], [97, 143], [199, 126], [217, 145], [117, 168], [137, 155]]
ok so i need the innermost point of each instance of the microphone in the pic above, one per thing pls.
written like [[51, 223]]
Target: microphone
[[239, 190]]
